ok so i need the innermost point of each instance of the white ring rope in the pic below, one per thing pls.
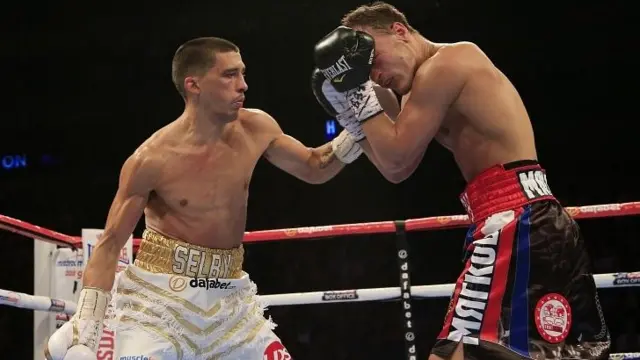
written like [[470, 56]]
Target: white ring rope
[[44, 303], [34, 302], [603, 281]]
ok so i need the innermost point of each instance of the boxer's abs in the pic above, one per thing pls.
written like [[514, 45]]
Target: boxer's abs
[[476, 149], [218, 228], [206, 214]]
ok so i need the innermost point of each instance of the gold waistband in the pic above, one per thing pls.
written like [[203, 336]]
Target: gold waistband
[[160, 254]]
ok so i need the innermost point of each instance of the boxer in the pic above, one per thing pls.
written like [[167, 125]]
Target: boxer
[[186, 295], [526, 290]]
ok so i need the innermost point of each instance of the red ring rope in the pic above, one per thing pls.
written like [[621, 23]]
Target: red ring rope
[[382, 227]]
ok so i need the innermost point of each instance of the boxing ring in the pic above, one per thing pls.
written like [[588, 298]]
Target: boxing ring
[[404, 293]]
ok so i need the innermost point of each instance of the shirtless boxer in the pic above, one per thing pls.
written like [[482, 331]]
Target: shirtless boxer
[[526, 290], [191, 181]]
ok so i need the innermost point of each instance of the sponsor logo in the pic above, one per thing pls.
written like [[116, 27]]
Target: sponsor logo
[[123, 259], [124, 256], [573, 211], [340, 295], [56, 305], [470, 306], [553, 317], [196, 263], [627, 278], [106, 346], [68, 263], [405, 294], [623, 356], [211, 284], [600, 208], [177, 283], [534, 184], [307, 230], [447, 219], [341, 66], [276, 351], [71, 267]]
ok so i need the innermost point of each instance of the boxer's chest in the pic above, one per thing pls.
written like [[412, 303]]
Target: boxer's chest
[[209, 177]]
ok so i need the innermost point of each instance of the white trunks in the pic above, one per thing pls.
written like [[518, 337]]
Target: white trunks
[[179, 301]]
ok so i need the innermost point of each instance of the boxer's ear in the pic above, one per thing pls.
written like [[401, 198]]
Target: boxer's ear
[[191, 85], [399, 30]]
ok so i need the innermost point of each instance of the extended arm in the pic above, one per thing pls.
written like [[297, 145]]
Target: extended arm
[[85, 327], [312, 165]]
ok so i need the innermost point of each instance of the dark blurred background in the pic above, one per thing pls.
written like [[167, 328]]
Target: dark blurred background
[[86, 83]]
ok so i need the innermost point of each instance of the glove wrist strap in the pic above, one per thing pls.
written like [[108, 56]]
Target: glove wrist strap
[[345, 147], [92, 304]]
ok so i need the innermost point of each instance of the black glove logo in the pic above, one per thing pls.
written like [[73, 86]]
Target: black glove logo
[[339, 68]]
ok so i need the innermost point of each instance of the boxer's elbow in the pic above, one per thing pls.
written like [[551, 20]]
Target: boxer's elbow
[[394, 164], [316, 178], [398, 168], [311, 173]]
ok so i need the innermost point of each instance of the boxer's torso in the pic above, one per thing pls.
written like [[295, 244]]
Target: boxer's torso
[[488, 123], [201, 194]]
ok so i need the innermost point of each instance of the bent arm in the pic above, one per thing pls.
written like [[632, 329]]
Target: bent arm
[[392, 175], [134, 187], [399, 144], [389, 103]]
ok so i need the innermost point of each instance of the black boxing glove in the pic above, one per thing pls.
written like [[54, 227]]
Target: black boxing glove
[[345, 58], [335, 104]]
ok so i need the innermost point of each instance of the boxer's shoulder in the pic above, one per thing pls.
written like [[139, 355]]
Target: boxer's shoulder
[[459, 51], [460, 57], [259, 122], [448, 69], [150, 156]]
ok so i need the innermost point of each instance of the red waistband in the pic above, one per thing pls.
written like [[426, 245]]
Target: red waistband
[[505, 187]]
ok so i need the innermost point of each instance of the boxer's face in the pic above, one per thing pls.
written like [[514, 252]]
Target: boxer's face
[[394, 62], [222, 88]]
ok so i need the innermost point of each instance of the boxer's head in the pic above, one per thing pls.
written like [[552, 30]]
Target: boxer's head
[[209, 72], [395, 61]]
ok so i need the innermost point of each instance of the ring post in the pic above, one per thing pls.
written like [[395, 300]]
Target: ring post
[[402, 254]]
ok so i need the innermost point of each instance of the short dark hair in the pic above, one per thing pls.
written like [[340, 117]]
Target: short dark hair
[[378, 15], [197, 56]]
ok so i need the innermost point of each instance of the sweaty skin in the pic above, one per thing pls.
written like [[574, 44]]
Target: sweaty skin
[[191, 178], [455, 95]]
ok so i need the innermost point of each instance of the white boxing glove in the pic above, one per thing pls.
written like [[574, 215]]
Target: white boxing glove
[[78, 338], [345, 147]]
